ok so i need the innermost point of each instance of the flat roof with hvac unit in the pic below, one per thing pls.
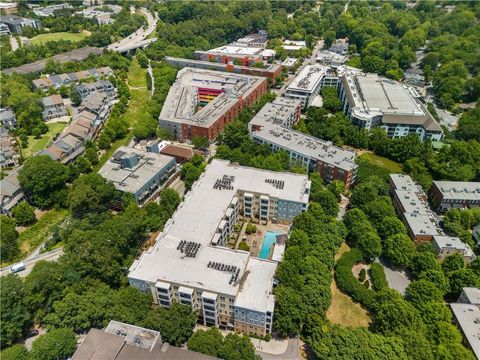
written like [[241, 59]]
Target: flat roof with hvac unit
[[199, 97], [131, 169], [183, 253]]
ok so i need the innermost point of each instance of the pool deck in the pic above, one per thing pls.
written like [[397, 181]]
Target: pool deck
[[255, 241]]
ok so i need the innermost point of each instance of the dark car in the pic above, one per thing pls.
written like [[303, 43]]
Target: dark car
[[32, 333]]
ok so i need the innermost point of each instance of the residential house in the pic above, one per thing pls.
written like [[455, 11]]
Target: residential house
[[8, 120], [10, 192], [53, 107]]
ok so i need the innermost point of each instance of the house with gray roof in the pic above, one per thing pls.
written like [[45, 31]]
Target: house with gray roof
[[53, 107], [10, 192], [8, 120]]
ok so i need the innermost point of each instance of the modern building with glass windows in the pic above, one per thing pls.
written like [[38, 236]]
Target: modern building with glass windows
[[370, 100], [190, 262]]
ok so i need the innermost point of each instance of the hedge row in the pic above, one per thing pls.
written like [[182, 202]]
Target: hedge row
[[348, 283], [377, 277]]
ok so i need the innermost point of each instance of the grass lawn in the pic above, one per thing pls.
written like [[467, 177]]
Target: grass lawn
[[137, 108], [343, 311], [36, 145], [34, 235], [74, 37], [390, 165]]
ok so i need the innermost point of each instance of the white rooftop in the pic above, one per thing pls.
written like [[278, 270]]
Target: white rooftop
[[445, 241], [472, 294], [255, 287], [468, 318], [421, 224], [197, 219], [307, 145], [403, 182], [133, 179], [236, 50], [308, 79], [459, 190]]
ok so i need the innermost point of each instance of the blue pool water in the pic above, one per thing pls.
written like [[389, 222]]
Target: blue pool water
[[268, 240]]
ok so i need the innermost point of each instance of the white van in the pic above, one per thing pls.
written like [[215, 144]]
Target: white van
[[17, 267]]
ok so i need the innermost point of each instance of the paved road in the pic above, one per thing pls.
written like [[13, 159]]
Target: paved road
[[30, 263], [292, 352], [396, 279], [138, 36]]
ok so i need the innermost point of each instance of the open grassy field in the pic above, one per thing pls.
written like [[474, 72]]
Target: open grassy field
[[36, 145], [137, 107], [343, 311], [74, 37], [390, 165]]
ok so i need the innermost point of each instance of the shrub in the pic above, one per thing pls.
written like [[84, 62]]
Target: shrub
[[377, 277], [243, 246], [348, 283], [251, 229], [362, 275], [366, 284]]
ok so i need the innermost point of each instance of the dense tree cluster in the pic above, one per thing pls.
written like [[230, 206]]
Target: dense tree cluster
[[232, 347], [304, 275], [460, 223], [8, 238], [16, 94]]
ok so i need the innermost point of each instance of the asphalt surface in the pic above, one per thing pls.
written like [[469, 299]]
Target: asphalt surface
[[292, 352], [131, 41], [30, 262], [397, 280]]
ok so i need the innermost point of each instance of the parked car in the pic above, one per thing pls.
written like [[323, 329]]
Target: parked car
[[32, 333], [17, 268]]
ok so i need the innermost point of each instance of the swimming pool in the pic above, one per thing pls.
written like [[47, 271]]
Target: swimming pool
[[269, 239]]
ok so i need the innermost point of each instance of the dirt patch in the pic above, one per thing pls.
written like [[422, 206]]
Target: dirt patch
[[343, 311]]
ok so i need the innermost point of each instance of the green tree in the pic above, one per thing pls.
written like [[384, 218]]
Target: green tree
[[399, 249], [13, 313], [200, 142], [15, 352], [42, 178], [83, 165], [175, 324], [8, 238], [390, 225], [423, 291], [452, 263], [462, 278], [329, 37], [91, 192], [24, 213], [57, 344], [423, 261]]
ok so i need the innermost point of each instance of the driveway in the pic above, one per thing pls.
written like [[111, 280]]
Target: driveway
[[396, 279], [292, 351]]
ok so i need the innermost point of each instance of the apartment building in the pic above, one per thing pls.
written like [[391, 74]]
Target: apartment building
[[7, 8], [10, 192], [466, 314], [45, 11], [455, 195], [4, 29], [8, 120], [272, 126], [445, 245], [370, 100], [71, 78], [411, 204], [189, 262], [201, 102], [53, 107], [308, 83], [121, 341], [138, 172], [270, 71], [16, 23], [101, 86]]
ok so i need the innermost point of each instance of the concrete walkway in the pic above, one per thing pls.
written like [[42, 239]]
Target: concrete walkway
[[291, 352]]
